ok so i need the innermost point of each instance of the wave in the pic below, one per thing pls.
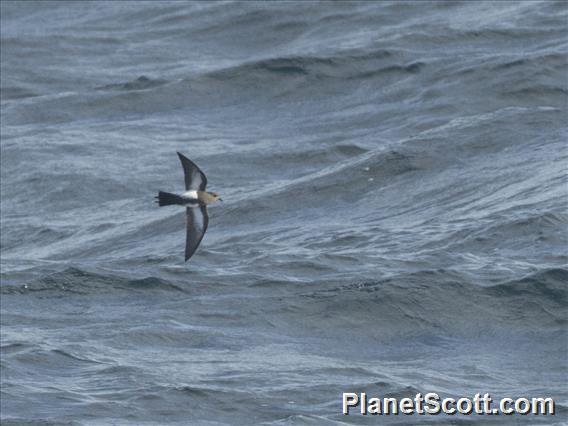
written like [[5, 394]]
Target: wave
[[292, 78], [442, 299], [444, 302], [141, 83], [347, 65], [79, 281], [547, 285]]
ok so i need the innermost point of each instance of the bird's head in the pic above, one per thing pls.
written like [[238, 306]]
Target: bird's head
[[215, 197]]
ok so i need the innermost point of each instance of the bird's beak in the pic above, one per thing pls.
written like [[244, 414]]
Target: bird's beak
[[220, 199]]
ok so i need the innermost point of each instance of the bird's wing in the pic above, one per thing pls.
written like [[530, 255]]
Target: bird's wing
[[194, 178], [197, 221]]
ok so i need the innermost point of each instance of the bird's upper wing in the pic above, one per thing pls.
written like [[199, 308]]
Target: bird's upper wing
[[197, 221], [194, 178]]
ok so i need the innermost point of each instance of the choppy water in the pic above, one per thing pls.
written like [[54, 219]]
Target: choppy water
[[395, 215]]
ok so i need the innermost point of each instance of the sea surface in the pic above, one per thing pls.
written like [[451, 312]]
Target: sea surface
[[395, 215]]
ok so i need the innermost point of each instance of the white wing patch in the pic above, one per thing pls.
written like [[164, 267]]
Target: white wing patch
[[196, 180], [198, 220]]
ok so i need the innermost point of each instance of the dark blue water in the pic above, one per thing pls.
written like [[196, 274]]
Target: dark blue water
[[395, 217]]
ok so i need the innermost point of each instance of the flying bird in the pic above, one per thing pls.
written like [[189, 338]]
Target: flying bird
[[195, 199]]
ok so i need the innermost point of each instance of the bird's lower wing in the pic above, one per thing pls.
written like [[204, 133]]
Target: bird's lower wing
[[197, 221]]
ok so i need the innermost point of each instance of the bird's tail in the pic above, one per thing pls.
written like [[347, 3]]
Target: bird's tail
[[167, 199]]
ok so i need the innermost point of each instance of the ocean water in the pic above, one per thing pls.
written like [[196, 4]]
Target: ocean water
[[394, 220]]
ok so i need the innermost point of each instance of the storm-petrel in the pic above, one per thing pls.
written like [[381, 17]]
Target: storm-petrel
[[195, 198]]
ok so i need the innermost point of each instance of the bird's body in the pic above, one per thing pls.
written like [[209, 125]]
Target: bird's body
[[195, 199], [190, 195]]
